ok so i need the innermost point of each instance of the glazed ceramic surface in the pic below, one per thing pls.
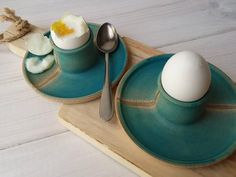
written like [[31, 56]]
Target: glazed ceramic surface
[[82, 86], [79, 59], [207, 140]]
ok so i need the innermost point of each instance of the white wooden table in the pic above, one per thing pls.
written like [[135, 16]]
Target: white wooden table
[[32, 142]]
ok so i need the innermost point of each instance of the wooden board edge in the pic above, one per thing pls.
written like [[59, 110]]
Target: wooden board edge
[[17, 51], [140, 49], [102, 147]]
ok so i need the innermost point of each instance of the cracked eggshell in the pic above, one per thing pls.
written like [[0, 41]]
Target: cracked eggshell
[[36, 65], [186, 76], [38, 44]]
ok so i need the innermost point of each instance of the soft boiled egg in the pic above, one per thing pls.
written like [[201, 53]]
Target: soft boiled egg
[[70, 32], [186, 76]]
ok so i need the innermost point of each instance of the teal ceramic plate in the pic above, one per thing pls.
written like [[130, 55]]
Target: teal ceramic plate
[[208, 140], [79, 87]]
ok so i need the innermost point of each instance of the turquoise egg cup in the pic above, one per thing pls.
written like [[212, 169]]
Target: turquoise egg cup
[[78, 59], [186, 134], [179, 112]]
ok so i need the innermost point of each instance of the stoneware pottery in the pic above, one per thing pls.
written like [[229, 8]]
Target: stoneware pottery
[[190, 134], [81, 80], [79, 59]]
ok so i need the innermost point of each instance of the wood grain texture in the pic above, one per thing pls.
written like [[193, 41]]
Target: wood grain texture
[[110, 137], [45, 158], [218, 50], [156, 23], [206, 26], [24, 116]]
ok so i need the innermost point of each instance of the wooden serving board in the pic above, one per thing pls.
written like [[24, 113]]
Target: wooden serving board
[[110, 138]]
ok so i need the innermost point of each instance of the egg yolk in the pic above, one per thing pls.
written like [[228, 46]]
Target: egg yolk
[[61, 29]]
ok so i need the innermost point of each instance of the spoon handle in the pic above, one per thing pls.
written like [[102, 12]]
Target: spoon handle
[[106, 109]]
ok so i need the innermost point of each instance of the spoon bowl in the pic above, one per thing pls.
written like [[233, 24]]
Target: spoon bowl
[[107, 38]]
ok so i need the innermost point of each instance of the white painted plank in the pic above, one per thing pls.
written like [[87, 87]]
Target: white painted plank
[[157, 23], [176, 22], [45, 12], [24, 115], [58, 156], [218, 50]]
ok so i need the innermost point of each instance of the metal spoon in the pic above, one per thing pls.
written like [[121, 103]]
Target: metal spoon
[[107, 41]]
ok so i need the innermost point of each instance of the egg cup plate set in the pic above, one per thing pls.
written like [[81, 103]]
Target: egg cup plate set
[[77, 87], [157, 123], [149, 124]]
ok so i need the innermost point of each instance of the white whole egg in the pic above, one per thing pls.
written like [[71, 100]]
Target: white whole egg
[[186, 76], [70, 32]]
